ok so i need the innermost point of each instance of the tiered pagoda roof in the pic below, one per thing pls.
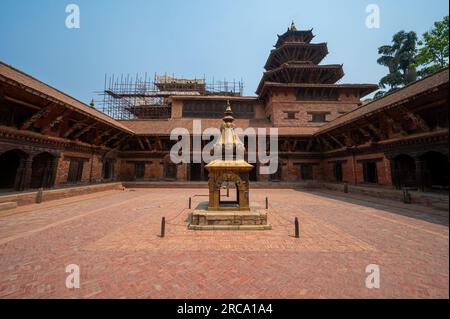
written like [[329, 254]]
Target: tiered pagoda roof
[[294, 35], [295, 60], [299, 72], [295, 51]]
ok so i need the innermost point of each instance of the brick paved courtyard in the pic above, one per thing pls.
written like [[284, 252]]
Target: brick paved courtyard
[[113, 237]]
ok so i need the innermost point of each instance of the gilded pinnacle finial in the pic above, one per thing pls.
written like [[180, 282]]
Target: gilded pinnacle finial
[[229, 110], [228, 118], [293, 27]]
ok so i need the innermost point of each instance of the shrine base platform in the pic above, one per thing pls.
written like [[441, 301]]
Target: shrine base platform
[[204, 219]]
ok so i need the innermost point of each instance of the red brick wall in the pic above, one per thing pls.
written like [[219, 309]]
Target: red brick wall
[[86, 171], [347, 169], [154, 169], [92, 168], [383, 168], [62, 171], [284, 100], [292, 169], [126, 170], [182, 170], [97, 169], [323, 170]]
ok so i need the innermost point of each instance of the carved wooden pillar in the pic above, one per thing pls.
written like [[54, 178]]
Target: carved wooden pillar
[[395, 174], [113, 170], [20, 175], [52, 172], [354, 170], [202, 171], [25, 173], [420, 174]]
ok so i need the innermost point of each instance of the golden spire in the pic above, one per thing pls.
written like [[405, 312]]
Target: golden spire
[[293, 28], [228, 118]]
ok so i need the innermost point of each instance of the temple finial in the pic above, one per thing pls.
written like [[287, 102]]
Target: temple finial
[[228, 113], [293, 27], [229, 110]]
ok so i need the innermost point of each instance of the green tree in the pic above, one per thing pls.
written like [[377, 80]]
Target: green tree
[[399, 58], [433, 53]]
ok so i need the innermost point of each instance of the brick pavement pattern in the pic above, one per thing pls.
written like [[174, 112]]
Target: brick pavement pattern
[[114, 237]]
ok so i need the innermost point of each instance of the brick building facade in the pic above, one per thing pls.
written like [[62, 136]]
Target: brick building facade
[[49, 139]]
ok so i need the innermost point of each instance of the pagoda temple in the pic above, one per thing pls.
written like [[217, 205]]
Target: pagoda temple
[[296, 60], [294, 67]]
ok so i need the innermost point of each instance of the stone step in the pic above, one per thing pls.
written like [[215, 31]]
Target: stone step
[[8, 205], [441, 206]]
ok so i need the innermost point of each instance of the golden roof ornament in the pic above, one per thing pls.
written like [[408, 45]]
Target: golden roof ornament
[[228, 118], [228, 137], [293, 27], [229, 145]]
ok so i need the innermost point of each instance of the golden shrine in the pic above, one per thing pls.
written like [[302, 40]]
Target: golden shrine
[[238, 214]]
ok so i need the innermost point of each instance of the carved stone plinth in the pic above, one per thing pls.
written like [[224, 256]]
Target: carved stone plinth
[[253, 219]]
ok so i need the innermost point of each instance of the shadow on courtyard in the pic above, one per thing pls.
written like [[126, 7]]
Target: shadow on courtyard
[[413, 211]]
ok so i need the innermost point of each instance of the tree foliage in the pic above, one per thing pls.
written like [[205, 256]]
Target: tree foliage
[[406, 62], [399, 58], [434, 49]]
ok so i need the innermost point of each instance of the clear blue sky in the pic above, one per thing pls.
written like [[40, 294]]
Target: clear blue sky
[[221, 39]]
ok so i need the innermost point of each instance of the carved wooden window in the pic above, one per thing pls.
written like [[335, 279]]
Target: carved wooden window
[[108, 169], [370, 172], [338, 174], [170, 170], [277, 176], [75, 170], [139, 170], [318, 117], [307, 172], [215, 109], [317, 94], [291, 115]]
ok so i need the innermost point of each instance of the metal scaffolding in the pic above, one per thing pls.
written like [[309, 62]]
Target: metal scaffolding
[[141, 97]]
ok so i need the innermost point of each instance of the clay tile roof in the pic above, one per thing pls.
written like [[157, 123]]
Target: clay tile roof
[[164, 127], [363, 88], [10, 74], [397, 97]]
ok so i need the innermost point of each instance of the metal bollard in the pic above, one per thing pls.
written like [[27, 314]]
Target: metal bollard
[[346, 188], [297, 228], [267, 202], [163, 227], [406, 196], [40, 196]]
